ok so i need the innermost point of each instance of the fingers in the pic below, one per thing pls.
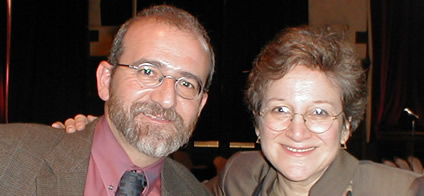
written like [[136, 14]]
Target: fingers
[[91, 118], [77, 123], [415, 164], [58, 125], [80, 122], [401, 163], [70, 125], [389, 163]]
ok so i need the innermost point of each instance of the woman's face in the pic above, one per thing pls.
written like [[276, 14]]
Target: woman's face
[[296, 152]]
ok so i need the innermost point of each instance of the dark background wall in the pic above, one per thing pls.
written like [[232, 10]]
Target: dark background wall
[[52, 75]]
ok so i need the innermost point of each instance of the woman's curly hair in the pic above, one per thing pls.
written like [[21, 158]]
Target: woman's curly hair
[[319, 49]]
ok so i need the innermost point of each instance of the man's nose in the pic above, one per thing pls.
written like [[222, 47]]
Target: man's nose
[[165, 93]]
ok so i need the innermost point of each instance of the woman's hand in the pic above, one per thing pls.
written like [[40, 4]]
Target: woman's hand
[[77, 123]]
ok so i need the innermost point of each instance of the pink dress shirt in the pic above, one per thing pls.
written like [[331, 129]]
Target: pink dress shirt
[[108, 161]]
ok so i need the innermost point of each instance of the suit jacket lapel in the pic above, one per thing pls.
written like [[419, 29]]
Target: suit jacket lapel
[[167, 179], [171, 182], [68, 164], [337, 177]]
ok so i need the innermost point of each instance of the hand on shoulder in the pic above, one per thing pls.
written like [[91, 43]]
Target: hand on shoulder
[[77, 123]]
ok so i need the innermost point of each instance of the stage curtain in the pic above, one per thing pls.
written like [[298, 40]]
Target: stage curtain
[[398, 67]]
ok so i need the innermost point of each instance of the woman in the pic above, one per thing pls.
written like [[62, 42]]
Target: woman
[[307, 93]]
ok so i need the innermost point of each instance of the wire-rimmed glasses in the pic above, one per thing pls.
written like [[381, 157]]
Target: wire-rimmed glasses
[[150, 76], [317, 120]]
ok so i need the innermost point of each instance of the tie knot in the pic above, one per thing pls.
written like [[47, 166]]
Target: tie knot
[[132, 183]]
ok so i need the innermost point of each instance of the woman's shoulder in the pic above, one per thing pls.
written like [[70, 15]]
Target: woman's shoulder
[[251, 156], [251, 161], [380, 179], [379, 169], [243, 172]]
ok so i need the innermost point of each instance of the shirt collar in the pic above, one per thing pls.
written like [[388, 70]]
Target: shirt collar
[[112, 161]]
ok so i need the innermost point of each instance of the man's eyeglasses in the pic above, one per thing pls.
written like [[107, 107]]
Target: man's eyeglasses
[[150, 76], [316, 120]]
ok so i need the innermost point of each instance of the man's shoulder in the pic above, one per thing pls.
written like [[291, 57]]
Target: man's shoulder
[[19, 127], [38, 140], [178, 180], [30, 135], [176, 169], [32, 154], [24, 146]]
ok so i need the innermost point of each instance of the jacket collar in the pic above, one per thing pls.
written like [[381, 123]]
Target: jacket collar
[[338, 176], [334, 181]]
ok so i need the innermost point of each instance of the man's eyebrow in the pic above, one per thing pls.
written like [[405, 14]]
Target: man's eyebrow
[[158, 64], [190, 75]]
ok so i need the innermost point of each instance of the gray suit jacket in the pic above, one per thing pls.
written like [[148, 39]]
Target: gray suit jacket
[[39, 160], [246, 172]]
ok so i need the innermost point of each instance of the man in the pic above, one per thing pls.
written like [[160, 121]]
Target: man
[[154, 85]]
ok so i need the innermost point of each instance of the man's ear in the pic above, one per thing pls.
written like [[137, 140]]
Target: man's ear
[[104, 75], [203, 102]]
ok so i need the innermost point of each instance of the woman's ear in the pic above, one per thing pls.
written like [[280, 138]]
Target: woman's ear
[[104, 75], [346, 131], [257, 132], [257, 125]]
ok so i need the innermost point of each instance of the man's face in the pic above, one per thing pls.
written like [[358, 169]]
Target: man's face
[[157, 121]]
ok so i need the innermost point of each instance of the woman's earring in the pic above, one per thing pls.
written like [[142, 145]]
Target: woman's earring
[[258, 141], [343, 145]]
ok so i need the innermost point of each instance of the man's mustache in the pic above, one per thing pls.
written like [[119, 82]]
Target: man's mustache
[[154, 109]]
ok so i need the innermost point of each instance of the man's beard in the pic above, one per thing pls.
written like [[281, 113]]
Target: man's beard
[[150, 138]]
